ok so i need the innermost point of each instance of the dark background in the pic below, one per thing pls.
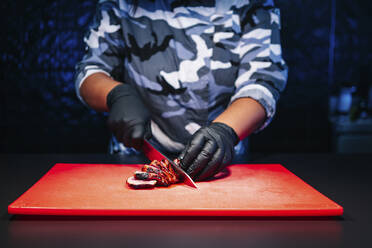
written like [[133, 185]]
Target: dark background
[[41, 41]]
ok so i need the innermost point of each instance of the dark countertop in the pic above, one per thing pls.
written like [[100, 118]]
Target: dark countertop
[[343, 178]]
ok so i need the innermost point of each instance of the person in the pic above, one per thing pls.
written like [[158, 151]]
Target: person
[[195, 76]]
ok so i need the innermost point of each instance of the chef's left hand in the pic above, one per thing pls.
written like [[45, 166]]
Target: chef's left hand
[[210, 149]]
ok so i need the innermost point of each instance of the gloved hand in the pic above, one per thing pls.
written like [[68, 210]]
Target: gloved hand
[[129, 119], [210, 149]]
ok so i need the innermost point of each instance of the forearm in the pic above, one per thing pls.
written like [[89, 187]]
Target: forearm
[[95, 88], [244, 115]]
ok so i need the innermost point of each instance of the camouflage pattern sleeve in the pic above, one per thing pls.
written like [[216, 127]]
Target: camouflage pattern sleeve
[[104, 45], [262, 73]]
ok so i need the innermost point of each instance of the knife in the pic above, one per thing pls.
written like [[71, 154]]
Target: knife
[[153, 154]]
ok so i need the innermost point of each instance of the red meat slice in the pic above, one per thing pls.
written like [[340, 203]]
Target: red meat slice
[[140, 184], [159, 173], [161, 180]]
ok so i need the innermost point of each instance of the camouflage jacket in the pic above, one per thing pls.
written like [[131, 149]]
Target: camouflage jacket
[[188, 59]]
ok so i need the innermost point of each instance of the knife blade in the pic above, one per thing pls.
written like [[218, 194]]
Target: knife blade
[[153, 154]]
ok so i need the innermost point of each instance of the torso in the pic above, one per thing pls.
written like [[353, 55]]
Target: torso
[[182, 61]]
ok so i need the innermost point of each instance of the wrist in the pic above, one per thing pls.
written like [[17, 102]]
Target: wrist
[[244, 115], [228, 130], [119, 92], [95, 88]]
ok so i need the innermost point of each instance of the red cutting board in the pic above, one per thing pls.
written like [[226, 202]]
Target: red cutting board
[[241, 190]]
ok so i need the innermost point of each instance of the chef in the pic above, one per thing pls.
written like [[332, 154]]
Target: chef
[[196, 76]]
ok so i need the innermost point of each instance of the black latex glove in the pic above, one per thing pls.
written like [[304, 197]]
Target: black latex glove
[[129, 119], [210, 149]]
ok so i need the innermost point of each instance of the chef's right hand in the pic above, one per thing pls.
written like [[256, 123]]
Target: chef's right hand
[[129, 119]]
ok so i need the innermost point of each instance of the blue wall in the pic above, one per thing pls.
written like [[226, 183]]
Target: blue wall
[[41, 42]]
